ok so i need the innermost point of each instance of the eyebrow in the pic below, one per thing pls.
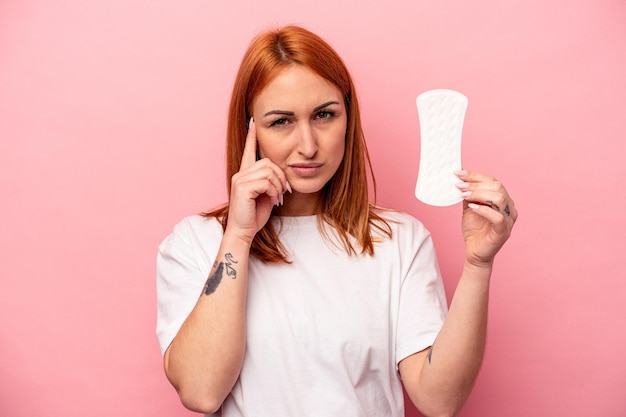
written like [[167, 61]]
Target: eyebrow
[[282, 112], [321, 106], [290, 113]]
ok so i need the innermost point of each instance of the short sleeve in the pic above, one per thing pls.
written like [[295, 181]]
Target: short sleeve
[[180, 276], [423, 306]]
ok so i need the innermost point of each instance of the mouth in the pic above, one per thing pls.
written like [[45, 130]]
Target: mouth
[[306, 169]]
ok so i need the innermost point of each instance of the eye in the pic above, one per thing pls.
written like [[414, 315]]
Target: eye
[[325, 114], [279, 122]]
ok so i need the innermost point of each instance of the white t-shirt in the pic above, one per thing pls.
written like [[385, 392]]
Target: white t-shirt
[[324, 333]]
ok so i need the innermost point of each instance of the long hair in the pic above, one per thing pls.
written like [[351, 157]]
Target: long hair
[[344, 199]]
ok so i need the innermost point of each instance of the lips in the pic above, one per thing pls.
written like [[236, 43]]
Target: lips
[[306, 169]]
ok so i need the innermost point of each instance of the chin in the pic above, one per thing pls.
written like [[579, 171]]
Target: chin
[[307, 187], [307, 190]]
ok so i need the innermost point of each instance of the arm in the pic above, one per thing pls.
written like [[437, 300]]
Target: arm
[[204, 359], [438, 380]]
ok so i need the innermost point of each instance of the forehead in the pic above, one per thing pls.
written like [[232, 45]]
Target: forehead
[[296, 87]]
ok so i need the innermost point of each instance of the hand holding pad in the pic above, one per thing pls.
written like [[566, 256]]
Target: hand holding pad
[[441, 115]]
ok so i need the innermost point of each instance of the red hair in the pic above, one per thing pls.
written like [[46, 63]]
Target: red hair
[[344, 199]]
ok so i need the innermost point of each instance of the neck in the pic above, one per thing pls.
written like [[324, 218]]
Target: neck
[[297, 204]]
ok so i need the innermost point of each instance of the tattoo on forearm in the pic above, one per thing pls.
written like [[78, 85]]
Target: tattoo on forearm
[[214, 280], [230, 271]]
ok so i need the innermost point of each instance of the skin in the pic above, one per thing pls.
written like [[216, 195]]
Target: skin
[[439, 380], [299, 121], [205, 358]]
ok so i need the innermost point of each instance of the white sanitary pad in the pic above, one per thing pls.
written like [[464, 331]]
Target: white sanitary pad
[[441, 115]]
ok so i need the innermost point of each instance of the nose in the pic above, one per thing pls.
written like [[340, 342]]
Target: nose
[[307, 140]]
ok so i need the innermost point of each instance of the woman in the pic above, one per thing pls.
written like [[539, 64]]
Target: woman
[[301, 298]]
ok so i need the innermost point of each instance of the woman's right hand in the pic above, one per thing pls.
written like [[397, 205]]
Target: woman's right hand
[[254, 191]]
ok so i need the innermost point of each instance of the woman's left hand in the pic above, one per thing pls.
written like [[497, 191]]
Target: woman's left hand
[[488, 216]]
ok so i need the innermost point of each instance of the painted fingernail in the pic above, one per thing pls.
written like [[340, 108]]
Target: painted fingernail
[[466, 194], [282, 201], [288, 187], [473, 206], [461, 173], [251, 122], [462, 185]]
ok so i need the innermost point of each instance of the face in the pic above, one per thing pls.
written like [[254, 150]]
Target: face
[[301, 126]]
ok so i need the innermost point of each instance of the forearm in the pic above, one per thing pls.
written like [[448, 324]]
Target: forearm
[[204, 359], [439, 380], [451, 366]]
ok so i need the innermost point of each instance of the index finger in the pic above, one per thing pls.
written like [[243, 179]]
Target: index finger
[[249, 149], [473, 176]]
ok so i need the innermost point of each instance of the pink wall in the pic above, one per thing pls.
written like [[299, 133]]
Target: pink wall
[[112, 117]]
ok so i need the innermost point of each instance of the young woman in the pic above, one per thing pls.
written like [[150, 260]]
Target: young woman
[[301, 298]]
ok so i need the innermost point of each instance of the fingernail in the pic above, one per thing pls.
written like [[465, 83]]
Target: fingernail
[[461, 173], [288, 187], [473, 206], [462, 186], [282, 201], [251, 122], [465, 194]]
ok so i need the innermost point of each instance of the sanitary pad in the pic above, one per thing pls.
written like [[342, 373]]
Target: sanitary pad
[[441, 115]]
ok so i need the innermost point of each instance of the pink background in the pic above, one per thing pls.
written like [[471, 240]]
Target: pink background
[[112, 119]]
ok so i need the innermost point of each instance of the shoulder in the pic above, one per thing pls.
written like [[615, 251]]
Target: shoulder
[[198, 222], [200, 227], [195, 230], [402, 223]]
